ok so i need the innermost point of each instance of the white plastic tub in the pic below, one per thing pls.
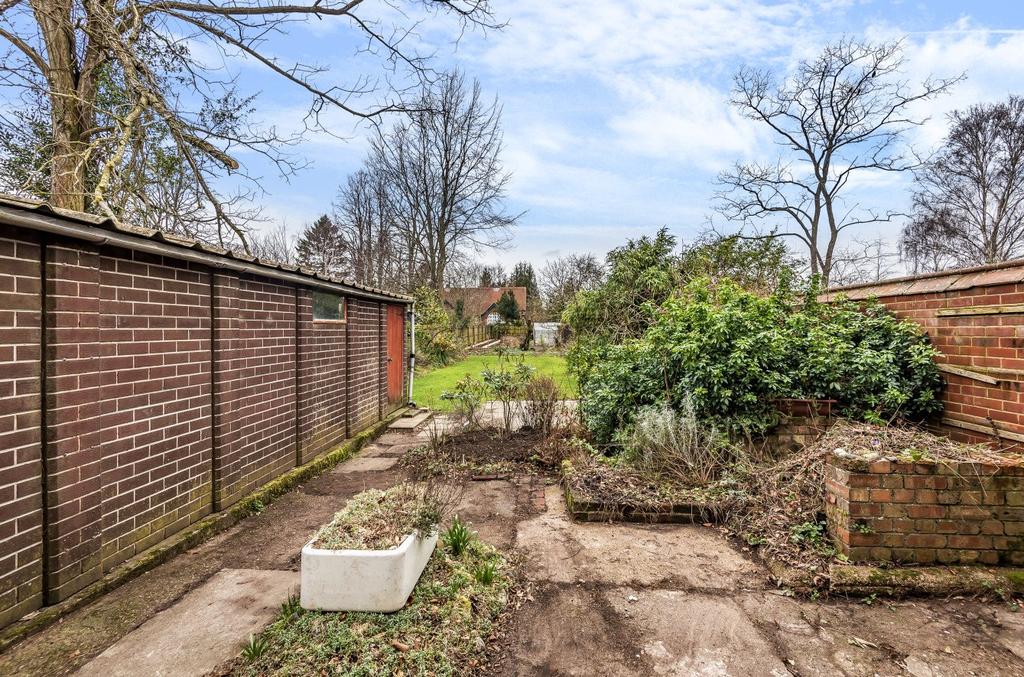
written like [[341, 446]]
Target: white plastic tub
[[363, 580]]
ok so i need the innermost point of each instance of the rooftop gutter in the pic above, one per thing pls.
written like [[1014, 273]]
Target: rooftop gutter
[[56, 226]]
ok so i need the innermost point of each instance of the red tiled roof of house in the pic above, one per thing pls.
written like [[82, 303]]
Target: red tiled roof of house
[[478, 300]]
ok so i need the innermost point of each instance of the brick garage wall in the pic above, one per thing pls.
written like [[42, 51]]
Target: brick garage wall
[[21, 519], [367, 363], [75, 437], [322, 403], [976, 319], [926, 513], [254, 383], [170, 391], [154, 400]]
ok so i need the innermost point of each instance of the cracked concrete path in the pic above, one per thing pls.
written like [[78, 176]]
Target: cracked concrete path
[[632, 599], [606, 599]]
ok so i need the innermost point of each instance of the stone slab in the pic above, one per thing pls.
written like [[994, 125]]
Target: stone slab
[[366, 464], [228, 608], [411, 422], [683, 633], [562, 551]]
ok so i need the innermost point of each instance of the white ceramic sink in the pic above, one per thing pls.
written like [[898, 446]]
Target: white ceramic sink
[[363, 580]]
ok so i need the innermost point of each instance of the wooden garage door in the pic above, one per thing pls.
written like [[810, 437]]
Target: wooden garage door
[[396, 361]]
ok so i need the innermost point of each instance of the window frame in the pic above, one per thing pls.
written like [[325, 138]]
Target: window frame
[[343, 303]]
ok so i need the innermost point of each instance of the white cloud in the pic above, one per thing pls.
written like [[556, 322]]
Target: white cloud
[[992, 60], [587, 36], [686, 121]]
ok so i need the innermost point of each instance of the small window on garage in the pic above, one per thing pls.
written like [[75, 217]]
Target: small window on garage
[[330, 307]]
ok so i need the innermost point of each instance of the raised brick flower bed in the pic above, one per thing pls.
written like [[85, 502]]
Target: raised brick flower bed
[[926, 512]]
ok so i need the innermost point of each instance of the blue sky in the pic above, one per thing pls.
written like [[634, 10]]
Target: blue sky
[[615, 111]]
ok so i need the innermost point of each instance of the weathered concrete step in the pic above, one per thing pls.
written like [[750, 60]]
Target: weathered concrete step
[[412, 421]]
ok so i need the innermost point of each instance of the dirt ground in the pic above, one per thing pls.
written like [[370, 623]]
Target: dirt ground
[[604, 599]]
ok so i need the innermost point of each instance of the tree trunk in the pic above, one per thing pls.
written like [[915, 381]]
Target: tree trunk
[[67, 177], [71, 93]]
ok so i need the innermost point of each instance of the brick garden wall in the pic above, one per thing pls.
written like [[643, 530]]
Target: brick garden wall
[[171, 391], [926, 512], [976, 319]]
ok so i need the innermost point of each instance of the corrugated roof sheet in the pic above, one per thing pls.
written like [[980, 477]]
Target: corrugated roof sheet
[[106, 224], [1009, 272]]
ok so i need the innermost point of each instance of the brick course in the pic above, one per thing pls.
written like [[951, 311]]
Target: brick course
[[986, 342], [926, 512], [322, 403], [367, 363], [154, 400], [171, 390]]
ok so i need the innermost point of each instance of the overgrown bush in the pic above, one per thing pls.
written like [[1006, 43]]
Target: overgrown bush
[[735, 352], [646, 272], [676, 445], [506, 384], [437, 344]]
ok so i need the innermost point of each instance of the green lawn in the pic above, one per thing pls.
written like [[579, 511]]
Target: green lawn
[[427, 387]]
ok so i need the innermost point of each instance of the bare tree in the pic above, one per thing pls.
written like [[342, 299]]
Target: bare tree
[[864, 260], [463, 271], [493, 276], [562, 278], [373, 249], [444, 169], [322, 248], [274, 245], [118, 78], [969, 201], [838, 116]]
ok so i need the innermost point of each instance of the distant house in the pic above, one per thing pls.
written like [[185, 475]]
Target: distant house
[[479, 304]]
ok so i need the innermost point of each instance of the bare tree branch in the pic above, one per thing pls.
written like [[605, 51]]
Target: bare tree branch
[[838, 116]]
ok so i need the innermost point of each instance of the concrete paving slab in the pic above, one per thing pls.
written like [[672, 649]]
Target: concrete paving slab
[[375, 449], [680, 556], [394, 437], [489, 509], [695, 634], [230, 606], [927, 637], [411, 422], [365, 464]]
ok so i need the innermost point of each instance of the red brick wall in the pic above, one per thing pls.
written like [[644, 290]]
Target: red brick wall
[[367, 363], [254, 383], [926, 512], [322, 408], [171, 391], [154, 400], [74, 446], [21, 519], [991, 345]]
